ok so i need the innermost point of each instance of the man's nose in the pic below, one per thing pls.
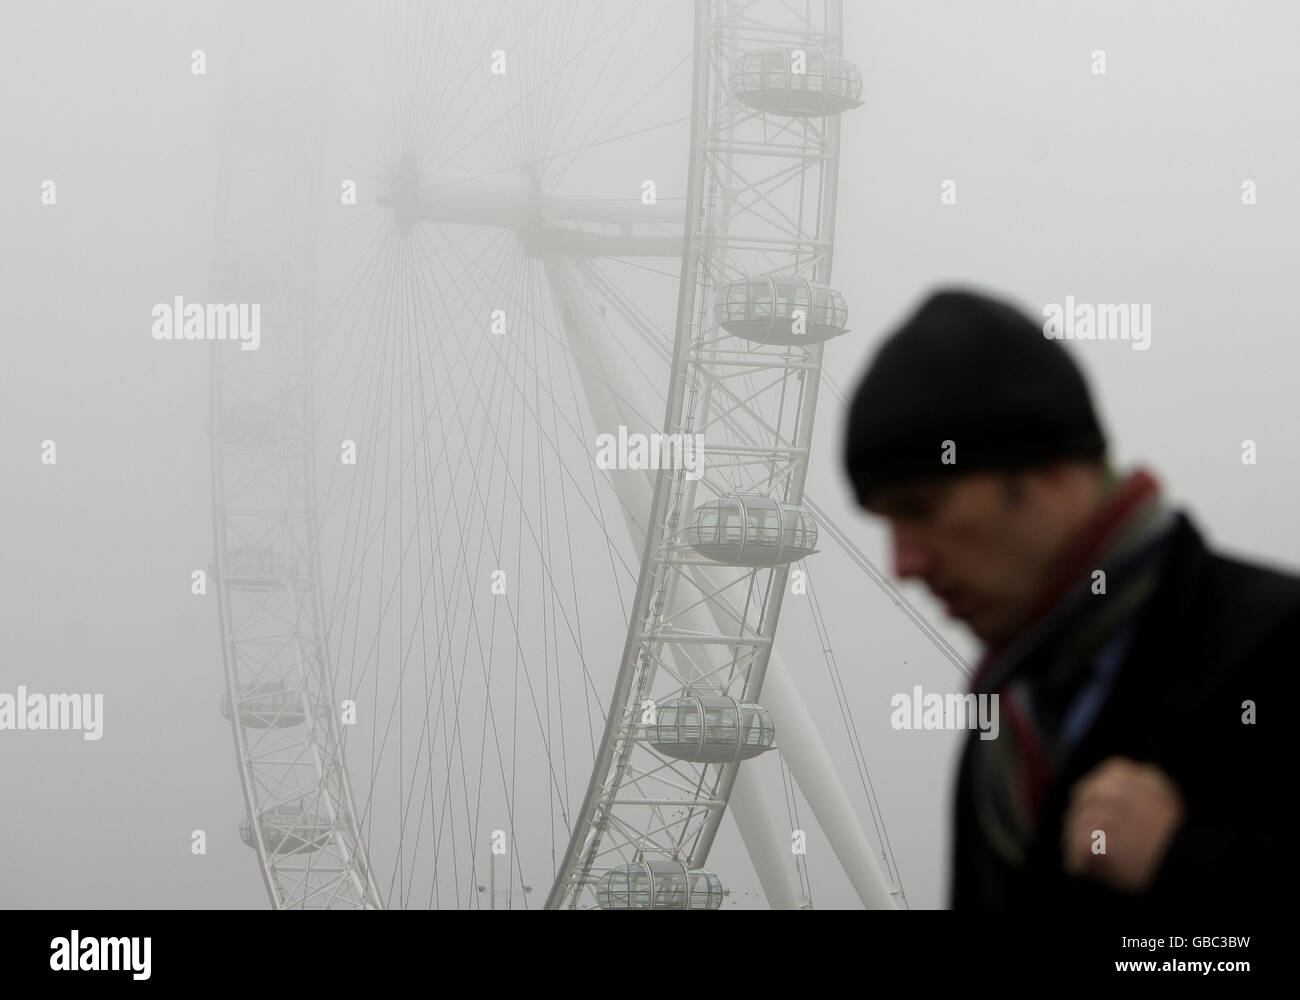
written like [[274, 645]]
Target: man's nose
[[910, 556]]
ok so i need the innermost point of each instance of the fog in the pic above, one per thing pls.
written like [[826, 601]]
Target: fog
[[1128, 186]]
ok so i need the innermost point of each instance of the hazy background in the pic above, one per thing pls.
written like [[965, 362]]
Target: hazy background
[[1117, 188]]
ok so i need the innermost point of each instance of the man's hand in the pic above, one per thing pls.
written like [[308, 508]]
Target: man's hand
[[1138, 807]]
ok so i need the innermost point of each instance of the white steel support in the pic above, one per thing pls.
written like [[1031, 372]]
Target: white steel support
[[610, 398], [610, 394], [664, 621], [263, 478]]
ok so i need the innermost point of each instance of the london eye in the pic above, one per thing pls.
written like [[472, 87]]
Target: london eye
[[466, 664]]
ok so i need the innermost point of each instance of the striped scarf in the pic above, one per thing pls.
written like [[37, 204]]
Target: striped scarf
[[1039, 673]]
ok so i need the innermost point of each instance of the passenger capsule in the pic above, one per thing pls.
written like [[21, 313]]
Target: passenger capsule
[[260, 566], [777, 310], [289, 829], [658, 884], [751, 530], [770, 81], [249, 428], [711, 729], [270, 704]]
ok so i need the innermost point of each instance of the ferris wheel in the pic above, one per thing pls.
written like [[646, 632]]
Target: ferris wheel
[[509, 500]]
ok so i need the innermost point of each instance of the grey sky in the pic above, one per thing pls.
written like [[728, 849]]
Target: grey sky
[[1117, 188]]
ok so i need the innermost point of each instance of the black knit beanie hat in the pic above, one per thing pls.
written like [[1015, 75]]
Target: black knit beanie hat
[[971, 370]]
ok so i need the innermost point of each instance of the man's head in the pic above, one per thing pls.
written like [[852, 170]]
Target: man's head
[[974, 435], [984, 542]]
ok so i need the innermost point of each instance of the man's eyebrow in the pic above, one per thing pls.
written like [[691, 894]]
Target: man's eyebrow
[[917, 498], [893, 505]]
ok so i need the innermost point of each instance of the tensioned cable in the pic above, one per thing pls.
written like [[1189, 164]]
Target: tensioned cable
[[850, 727], [354, 661], [587, 141], [790, 792]]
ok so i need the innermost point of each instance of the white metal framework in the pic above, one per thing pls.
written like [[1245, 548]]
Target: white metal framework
[[448, 586], [300, 816], [761, 204]]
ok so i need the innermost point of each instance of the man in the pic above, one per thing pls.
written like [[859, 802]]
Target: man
[[1129, 662]]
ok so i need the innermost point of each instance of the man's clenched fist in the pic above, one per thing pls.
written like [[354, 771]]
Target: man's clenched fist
[[1137, 806]]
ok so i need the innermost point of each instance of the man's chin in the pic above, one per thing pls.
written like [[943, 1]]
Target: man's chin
[[990, 633], [984, 630], [976, 618]]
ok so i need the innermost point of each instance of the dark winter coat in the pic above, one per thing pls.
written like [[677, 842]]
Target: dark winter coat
[[1217, 633]]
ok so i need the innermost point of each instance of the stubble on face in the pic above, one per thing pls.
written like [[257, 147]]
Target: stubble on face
[[981, 543]]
